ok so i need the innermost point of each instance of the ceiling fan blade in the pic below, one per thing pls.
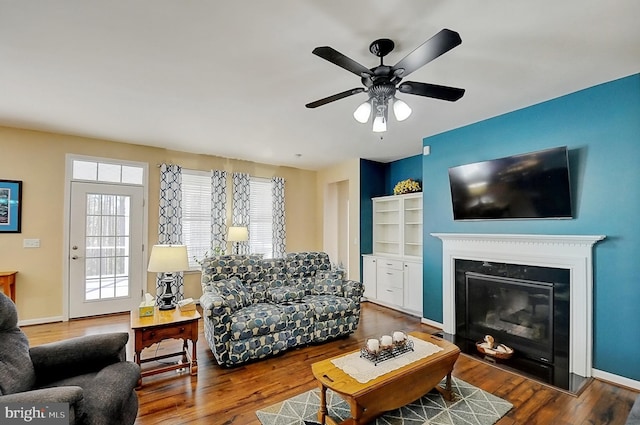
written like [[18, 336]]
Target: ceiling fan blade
[[334, 97], [337, 58], [437, 45], [431, 90]]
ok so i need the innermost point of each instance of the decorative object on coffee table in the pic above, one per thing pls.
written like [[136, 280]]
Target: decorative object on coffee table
[[386, 348]]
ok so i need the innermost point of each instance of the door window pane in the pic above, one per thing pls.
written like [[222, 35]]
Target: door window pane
[[107, 246]]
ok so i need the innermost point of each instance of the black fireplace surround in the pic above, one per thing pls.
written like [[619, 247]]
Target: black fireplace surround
[[524, 307]]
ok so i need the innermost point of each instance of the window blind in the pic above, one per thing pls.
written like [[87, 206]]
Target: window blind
[[261, 217], [196, 214]]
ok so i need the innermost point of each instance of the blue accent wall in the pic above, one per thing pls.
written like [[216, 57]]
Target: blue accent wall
[[406, 168], [373, 178], [601, 128]]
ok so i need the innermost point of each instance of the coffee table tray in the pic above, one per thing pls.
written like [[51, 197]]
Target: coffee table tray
[[387, 353]]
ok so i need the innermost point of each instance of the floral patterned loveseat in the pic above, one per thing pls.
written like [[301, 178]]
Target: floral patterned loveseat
[[255, 308]]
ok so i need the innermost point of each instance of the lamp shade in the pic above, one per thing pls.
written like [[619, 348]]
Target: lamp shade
[[401, 110], [238, 234], [379, 124], [363, 112], [168, 259]]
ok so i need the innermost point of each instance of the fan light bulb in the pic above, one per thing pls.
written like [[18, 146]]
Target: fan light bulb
[[401, 110], [379, 124], [362, 113]]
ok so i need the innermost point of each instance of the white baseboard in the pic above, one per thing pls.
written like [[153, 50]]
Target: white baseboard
[[40, 321], [616, 379], [431, 323]]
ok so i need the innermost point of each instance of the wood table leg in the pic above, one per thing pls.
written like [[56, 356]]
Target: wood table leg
[[322, 412], [446, 392], [194, 359]]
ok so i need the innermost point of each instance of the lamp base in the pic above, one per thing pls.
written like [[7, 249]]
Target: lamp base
[[167, 297]]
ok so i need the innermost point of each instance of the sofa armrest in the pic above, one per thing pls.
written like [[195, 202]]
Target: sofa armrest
[[353, 289], [68, 394], [76, 356], [214, 304], [217, 324]]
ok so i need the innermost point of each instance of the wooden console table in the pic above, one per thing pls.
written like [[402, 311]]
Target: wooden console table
[[163, 325], [8, 284]]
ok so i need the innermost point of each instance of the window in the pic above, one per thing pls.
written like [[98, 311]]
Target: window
[[196, 214], [261, 217], [107, 172]]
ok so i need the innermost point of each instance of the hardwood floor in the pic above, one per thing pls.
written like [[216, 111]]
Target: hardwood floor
[[231, 396]]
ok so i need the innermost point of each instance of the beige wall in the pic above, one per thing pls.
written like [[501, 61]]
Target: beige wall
[[340, 176], [38, 159]]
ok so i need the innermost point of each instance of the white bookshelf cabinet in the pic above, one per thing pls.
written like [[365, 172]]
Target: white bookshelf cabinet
[[393, 272]]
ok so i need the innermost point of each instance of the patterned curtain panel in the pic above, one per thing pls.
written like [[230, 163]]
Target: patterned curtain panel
[[170, 220], [279, 230], [218, 212], [241, 208]]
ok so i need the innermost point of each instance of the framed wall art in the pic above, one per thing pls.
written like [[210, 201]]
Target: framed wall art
[[10, 206]]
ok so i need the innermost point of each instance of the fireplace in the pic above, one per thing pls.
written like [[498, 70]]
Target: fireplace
[[522, 306], [536, 293]]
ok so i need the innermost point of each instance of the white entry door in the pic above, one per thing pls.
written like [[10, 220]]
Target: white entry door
[[105, 248]]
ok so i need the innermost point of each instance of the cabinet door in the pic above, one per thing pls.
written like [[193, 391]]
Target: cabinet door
[[413, 286], [369, 276]]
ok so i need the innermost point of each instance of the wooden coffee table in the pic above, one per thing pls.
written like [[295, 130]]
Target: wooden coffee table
[[163, 325], [389, 391]]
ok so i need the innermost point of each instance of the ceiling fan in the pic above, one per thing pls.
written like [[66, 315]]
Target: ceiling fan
[[383, 81]]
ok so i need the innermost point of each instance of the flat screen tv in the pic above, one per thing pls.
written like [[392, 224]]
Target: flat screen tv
[[529, 186]]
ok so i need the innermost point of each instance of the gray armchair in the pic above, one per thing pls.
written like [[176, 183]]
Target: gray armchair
[[89, 372]]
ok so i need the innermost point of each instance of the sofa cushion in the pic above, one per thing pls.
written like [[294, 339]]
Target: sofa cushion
[[305, 264], [16, 370], [328, 307], [328, 285], [334, 274], [233, 292], [274, 271], [256, 320], [286, 293], [248, 268]]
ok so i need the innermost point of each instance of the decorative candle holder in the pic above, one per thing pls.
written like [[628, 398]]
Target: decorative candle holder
[[387, 347]]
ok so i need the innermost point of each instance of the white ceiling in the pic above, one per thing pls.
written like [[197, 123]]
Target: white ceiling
[[232, 78]]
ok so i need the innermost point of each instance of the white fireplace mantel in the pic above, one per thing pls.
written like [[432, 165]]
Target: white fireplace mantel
[[573, 252]]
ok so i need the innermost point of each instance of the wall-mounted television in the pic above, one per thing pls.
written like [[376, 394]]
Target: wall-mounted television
[[529, 186]]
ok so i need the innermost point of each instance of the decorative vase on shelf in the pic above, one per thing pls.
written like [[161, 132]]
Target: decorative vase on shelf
[[407, 186]]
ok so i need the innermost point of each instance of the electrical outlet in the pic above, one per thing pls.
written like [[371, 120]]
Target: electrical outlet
[[31, 243]]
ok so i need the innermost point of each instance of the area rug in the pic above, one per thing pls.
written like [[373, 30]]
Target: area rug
[[470, 405]]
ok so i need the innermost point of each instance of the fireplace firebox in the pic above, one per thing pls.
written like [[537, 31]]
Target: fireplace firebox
[[523, 307]]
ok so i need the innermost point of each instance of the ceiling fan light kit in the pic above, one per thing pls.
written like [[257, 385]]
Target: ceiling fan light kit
[[382, 81]]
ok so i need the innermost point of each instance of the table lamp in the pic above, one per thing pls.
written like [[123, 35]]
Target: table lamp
[[238, 234], [168, 260]]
